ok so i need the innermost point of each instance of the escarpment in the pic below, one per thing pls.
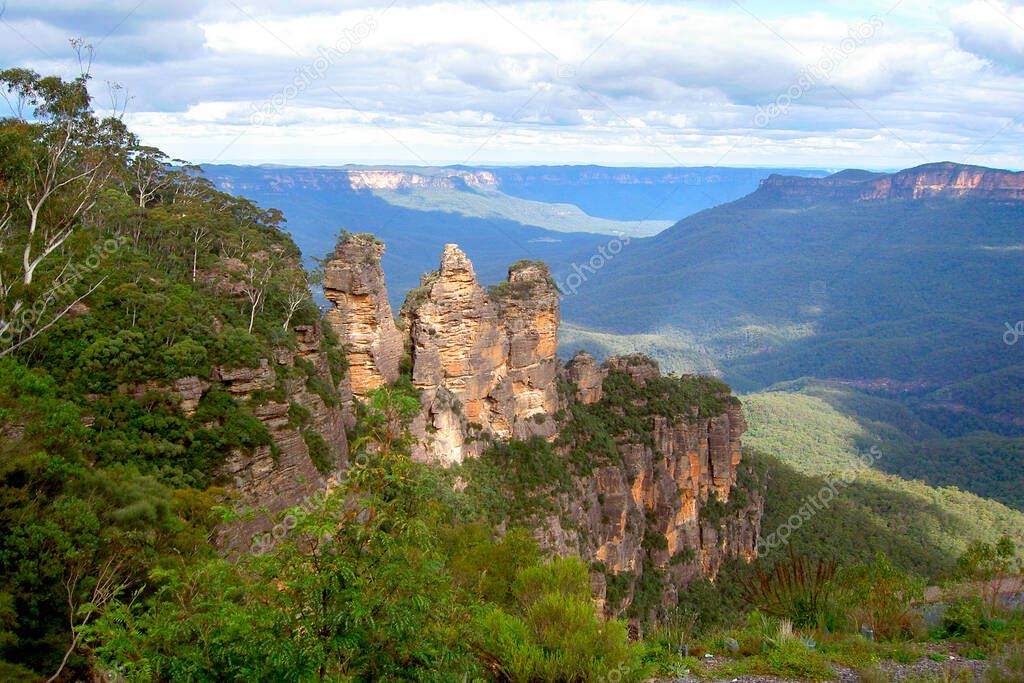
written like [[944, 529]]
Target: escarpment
[[306, 412], [939, 180], [656, 494], [301, 396], [671, 500]]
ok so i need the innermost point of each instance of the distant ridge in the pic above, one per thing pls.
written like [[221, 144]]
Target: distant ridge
[[943, 179]]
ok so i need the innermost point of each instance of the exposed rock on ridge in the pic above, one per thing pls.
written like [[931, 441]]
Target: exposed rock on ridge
[[945, 179], [396, 179], [678, 483], [361, 315], [485, 362], [668, 498], [277, 477]]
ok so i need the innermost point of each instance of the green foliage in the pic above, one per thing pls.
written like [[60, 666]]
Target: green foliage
[[319, 451], [516, 481], [186, 357], [1007, 666], [880, 597], [356, 590], [794, 660], [552, 633], [919, 528], [794, 588], [105, 480], [236, 348]]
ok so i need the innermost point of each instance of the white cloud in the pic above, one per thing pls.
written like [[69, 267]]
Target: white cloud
[[601, 82]]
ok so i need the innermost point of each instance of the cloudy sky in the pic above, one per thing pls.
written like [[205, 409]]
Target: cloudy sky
[[829, 84]]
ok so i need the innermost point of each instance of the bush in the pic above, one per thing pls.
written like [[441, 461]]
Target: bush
[[1008, 667], [552, 633], [319, 451], [795, 589], [966, 618], [793, 659], [187, 357], [236, 348], [880, 596]]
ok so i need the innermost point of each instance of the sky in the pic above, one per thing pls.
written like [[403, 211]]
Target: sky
[[826, 84]]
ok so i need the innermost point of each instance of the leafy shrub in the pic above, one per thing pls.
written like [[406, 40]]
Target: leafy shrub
[[795, 589], [1008, 666], [187, 357], [236, 348], [552, 633], [298, 415], [109, 361], [319, 451], [793, 659], [880, 596], [985, 570], [966, 618]]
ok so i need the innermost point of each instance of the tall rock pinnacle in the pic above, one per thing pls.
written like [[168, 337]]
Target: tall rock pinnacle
[[361, 316], [484, 361]]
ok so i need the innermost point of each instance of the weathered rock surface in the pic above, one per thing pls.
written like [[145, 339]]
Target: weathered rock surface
[[361, 315], [484, 361], [582, 370], [278, 477], [673, 505]]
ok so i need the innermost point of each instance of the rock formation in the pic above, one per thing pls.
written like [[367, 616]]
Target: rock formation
[[673, 505], [668, 500], [274, 478], [361, 315], [397, 179], [484, 361]]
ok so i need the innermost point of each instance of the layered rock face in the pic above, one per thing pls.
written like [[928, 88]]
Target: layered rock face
[[673, 505], [945, 179], [484, 362], [277, 477], [361, 316]]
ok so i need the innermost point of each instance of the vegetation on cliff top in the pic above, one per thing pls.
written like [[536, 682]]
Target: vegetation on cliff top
[[121, 273]]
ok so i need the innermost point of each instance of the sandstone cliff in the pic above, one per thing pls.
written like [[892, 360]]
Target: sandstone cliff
[[276, 477], [945, 179], [397, 178], [672, 505], [361, 315], [484, 361]]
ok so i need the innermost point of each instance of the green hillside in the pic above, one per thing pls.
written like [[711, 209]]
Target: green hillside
[[916, 291], [813, 437]]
